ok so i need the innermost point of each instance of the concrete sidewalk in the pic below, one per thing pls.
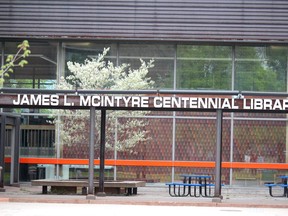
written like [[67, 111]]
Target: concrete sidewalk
[[152, 194]]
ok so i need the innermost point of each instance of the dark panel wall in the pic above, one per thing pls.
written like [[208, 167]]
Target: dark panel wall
[[223, 20]]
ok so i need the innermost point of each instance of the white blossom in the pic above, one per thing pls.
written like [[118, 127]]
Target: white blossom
[[98, 74]]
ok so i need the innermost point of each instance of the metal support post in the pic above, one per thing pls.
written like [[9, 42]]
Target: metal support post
[[102, 154], [91, 155], [15, 148], [2, 150], [218, 165]]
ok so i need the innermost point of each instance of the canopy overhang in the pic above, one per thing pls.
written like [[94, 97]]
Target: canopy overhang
[[154, 100]]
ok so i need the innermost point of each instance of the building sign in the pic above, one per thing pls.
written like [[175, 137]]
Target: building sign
[[141, 102]]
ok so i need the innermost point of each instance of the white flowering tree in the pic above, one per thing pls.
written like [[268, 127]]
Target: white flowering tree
[[98, 74]]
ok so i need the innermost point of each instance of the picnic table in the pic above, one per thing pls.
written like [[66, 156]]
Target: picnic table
[[192, 185], [282, 184]]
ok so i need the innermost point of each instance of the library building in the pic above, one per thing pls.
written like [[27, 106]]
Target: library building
[[184, 87]]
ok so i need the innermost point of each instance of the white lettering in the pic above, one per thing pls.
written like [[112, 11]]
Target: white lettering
[[267, 104], [277, 105], [285, 104], [145, 102], [245, 105], [166, 102], [234, 106], [37, 100], [17, 102], [96, 101], [66, 101], [85, 100], [157, 102], [54, 100], [194, 104], [258, 104], [226, 104], [126, 101], [135, 102]]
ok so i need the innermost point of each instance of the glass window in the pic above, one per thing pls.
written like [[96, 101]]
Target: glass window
[[163, 56], [79, 52], [261, 68], [40, 72], [1, 56], [204, 67]]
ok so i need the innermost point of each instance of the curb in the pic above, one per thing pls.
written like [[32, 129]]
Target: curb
[[137, 202]]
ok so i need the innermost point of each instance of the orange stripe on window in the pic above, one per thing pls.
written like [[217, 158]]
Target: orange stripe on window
[[152, 163]]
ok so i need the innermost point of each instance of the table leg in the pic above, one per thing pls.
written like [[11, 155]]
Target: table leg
[[205, 187], [134, 191], [200, 187], [270, 191], [170, 193], [285, 188], [44, 189], [189, 187]]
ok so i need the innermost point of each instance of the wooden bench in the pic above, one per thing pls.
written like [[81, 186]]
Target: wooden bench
[[71, 186]]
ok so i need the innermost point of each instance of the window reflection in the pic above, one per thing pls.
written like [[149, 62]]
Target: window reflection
[[261, 68], [204, 67], [163, 56], [40, 72], [1, 56]]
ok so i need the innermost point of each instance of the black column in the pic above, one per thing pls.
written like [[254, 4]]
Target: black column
[[91, 155], [102, 154], [2, 148], [15, 152], [218, 165]]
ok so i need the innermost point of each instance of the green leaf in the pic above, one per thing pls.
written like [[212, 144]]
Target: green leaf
[[9, 58], [26, 43], [26, 53], [22, 63]]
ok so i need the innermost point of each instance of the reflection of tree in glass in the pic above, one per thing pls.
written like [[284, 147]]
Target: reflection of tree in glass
[[204, 67], [261, 68]]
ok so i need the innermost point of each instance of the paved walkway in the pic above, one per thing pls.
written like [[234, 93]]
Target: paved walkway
[[58, 209], [152, 194]]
